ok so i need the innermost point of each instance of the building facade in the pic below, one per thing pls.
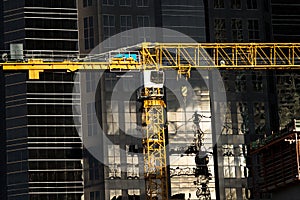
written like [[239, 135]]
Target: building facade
[[3, 189], [251, 100], [251, 114], [113, 170], [1, 26], [238, 21], [99, 20], [37, 133], [43, 146], [285, 20], [43, 155], [43, 27], [251, 103], [116, 169], [185, 17]]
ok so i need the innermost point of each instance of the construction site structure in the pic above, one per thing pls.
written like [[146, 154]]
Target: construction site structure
[[153, 58], [179, 56], [279, 156], [155, 160]]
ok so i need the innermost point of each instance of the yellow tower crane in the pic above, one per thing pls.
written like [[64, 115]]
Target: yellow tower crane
[[182, 57]]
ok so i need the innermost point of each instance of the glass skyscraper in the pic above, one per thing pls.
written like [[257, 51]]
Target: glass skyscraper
[[43, 27], [44, 149]]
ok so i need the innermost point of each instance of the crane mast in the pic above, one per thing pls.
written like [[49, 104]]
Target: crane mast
[[154, 142], [155, 161], [182, 57]]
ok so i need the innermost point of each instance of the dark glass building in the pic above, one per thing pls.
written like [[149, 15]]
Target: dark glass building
[[41, 146], [238, 21], [251, 114], [43, 27], [187, 17], [3, 188], [99, 20], [251, 99], [44, 149], [2, 114], [118, 171], [1, 26], [285, 20]]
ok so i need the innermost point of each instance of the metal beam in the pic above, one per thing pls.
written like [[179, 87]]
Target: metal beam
[[181, 57]]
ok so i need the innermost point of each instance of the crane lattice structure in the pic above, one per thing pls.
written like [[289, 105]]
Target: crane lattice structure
[[182, 57], [155, 161]]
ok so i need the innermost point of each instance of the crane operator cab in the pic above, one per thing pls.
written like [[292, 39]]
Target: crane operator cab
[[153, 81]]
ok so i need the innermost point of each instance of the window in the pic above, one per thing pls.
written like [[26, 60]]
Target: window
[[130, 118], [220, 30], [236, 4], [241, 161], [240, 83], [92, 122], [132, 167], [108, 25], [115, 194], [237, 30], [228, 161], [126, 22], [245, 193], [114, 162], [88, 32], [87, 3], [242, 117], [218, 3], [266, 6], [230, 194], [132, 162], [143, 21], [91, 81], [142, 3], [133, 192], [259, 117], [92, 195], [93, 167], [95, 195], [252, 4], [125, 2], [253, 30], [108, 2], [227, 128], [257, 81], [109, 30], [112, 117]]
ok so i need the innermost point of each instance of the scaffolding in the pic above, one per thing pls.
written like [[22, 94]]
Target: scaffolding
[[278, 156]]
